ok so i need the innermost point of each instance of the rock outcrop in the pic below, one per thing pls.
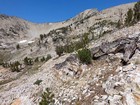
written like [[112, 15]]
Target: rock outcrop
[[127, 46]]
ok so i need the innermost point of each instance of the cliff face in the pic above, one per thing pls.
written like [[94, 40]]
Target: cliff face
[[111, 79]]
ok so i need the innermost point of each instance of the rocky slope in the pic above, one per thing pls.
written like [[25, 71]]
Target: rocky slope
[[14, 31], [111, 79]]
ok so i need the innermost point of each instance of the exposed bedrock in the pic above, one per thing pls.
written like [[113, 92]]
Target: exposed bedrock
[[127, 46]]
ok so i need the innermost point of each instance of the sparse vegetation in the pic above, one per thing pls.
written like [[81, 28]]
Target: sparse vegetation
[[43, 59], [5, 65], [16, 66], [71, 47], [85, 39], [133, 15], [68, 48], [47, 98], [78, 45]]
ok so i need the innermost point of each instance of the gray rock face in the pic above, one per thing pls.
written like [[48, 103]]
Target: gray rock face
[[127, 46], [67, 67], [12, 27]]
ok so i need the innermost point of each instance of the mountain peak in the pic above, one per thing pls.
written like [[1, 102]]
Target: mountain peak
[[85, 14]]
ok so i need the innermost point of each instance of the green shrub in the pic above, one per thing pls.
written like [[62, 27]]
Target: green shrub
[[84, 56], [48, 57], [36, 59], [17, 47], [118, 25], [47, 98], [16, 66], [38, 82], [5, 65], [28, 61], [41, 36], [42, 59], [59, 50]]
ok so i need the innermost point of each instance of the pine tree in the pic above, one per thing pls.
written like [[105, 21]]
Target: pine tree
[[42, 59], [119, 24], [129, 18], [48, 57], [18, 47], [137, 12], [28, 61], [16, 66], [41, 37]]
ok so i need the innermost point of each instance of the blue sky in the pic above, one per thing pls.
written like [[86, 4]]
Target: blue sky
[[40, 11]]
